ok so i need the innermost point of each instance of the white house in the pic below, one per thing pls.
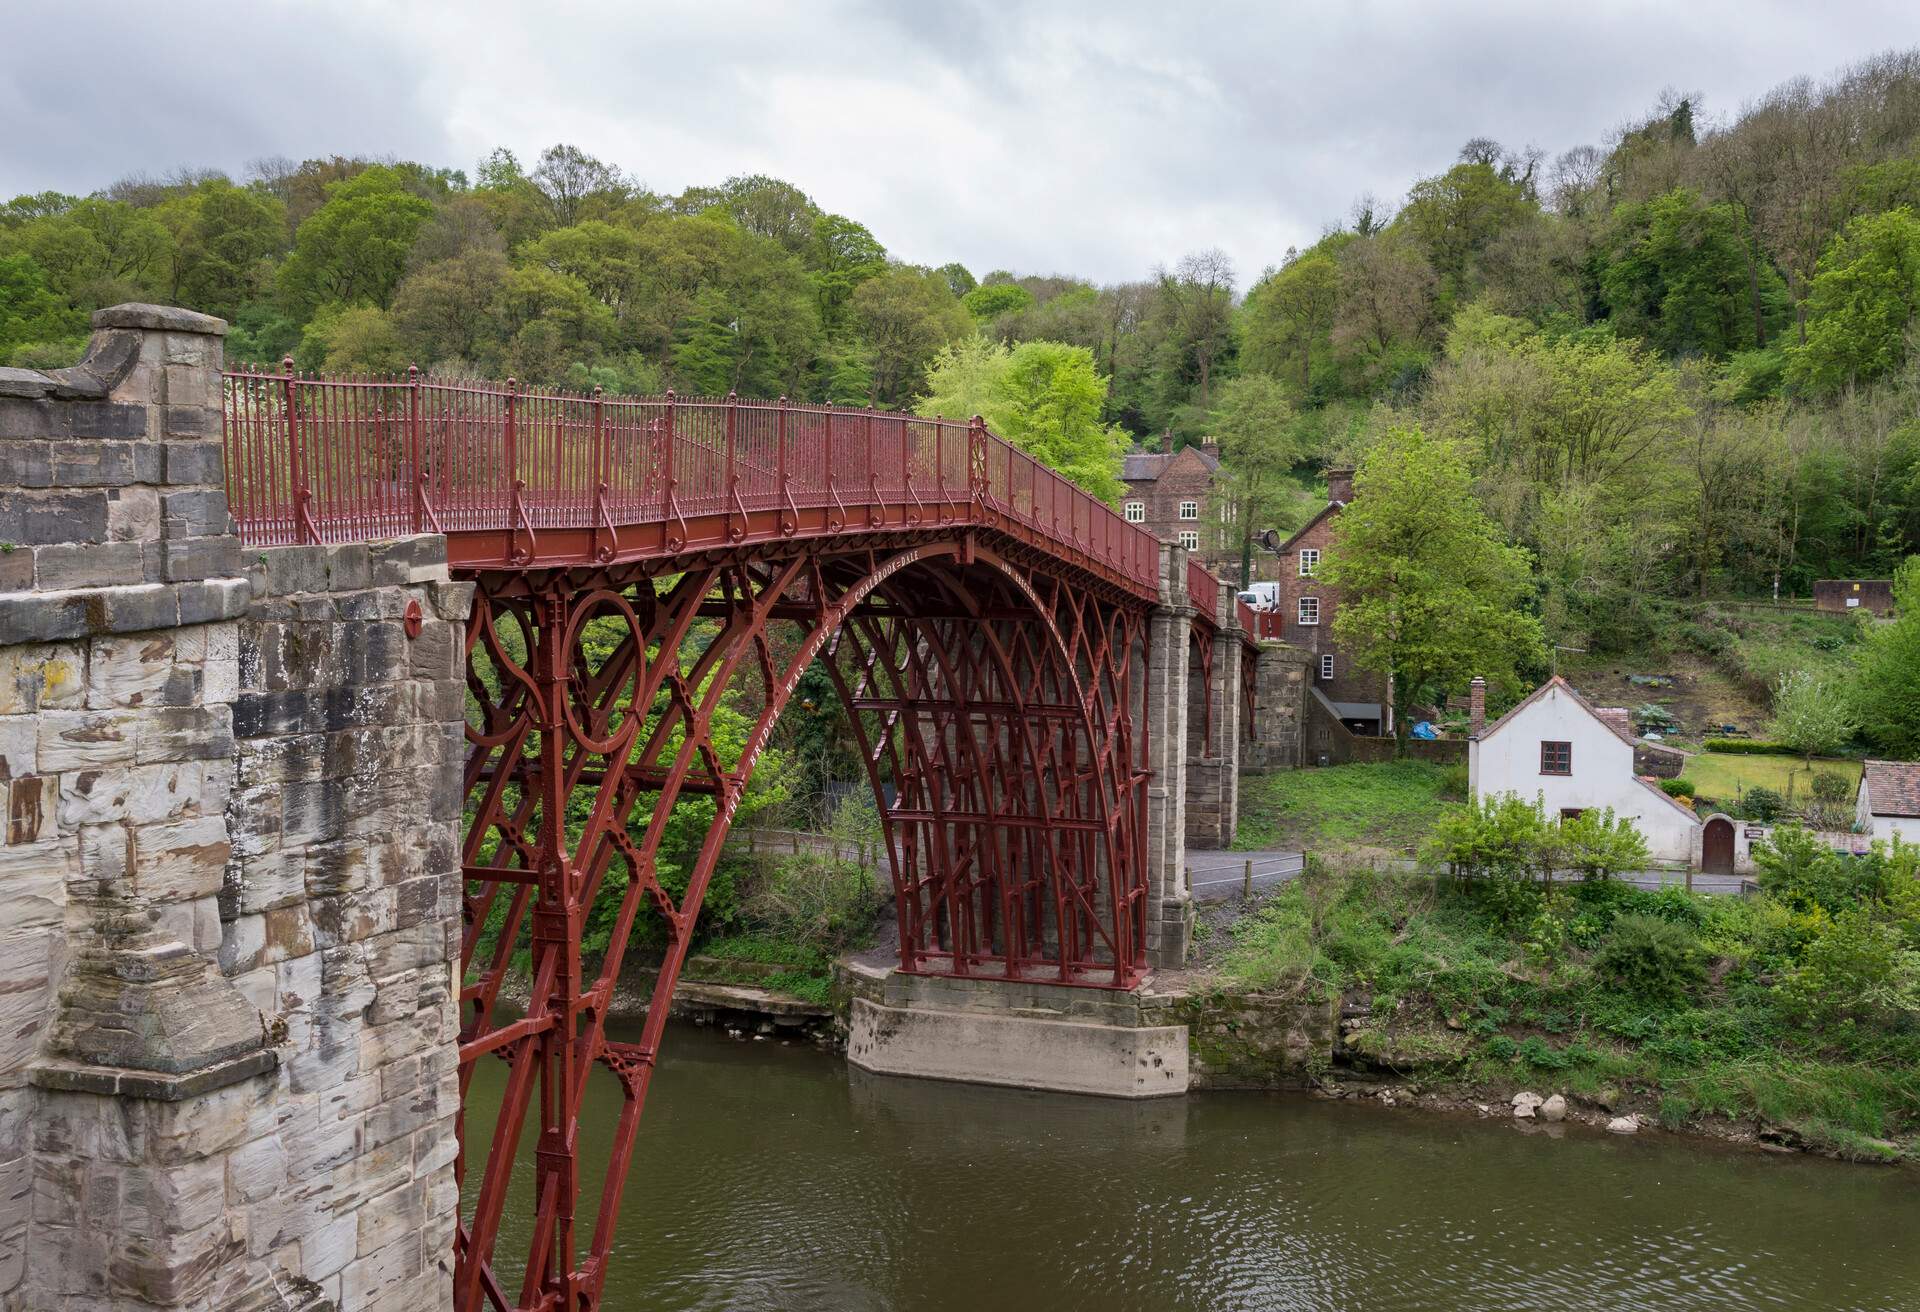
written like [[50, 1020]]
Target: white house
[[1556, 746], [1889, 800]]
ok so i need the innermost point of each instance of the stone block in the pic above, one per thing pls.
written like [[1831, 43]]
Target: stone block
[[25, 463], [347, 567], [86, 740], [194, 514], [192, 422], [129, 670], [51, 517], [19, 747], [181, 859], [31, 809], [42, 677], [133, 515], [293, 570], [16, 568], [201, 558], [64, 567], [185, 733], [187, 463], [212, 600], [420, 558], [140, 794], [106, 419]]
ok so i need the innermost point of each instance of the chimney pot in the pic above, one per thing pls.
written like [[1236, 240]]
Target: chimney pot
[[1476, 706]]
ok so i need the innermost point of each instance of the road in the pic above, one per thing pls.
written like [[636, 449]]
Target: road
[[1218, 876]]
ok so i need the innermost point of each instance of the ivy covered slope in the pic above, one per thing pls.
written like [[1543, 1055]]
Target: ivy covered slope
[[1793, 1014]]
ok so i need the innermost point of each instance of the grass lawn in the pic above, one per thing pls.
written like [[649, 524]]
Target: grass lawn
[[1390, 805], [1722, 776]]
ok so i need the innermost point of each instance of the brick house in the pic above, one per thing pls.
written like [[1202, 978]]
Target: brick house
[[1307, 608], [1172, 494]]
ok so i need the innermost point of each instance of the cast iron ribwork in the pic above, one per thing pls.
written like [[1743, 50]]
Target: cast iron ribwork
[[995, 705], [983, 621]]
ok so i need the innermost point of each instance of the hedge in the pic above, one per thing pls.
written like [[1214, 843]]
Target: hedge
[[1747, 747]]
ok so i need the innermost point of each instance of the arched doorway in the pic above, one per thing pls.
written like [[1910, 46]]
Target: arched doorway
[[1716, 847]]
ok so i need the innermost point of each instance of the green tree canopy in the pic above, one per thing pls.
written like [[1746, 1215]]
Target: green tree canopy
[[353, 250], [1429, 593], [1864, 299], [1886, 676], [1043, 397], [1255, 425]]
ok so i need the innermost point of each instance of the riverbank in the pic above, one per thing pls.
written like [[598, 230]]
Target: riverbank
[[1784, 1021]]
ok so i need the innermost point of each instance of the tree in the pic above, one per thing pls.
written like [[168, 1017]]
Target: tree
[[1043, 397], [29, 311], [1886, 674], [354, 248], [1429, 594], [1259, 443], [990, 302], [222, 238], [905, 315], [352, 340], [569, 178], [1291, 313], [1810, 715], [1864, 300], [1194, 321], [1676, 274], [452, 310]]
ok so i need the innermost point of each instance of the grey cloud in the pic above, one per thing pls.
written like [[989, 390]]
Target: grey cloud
[[1100, 140]]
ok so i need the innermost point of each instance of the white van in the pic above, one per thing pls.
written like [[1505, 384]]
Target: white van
[[1262, 596]]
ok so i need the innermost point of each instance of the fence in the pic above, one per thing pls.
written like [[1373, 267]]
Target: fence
[[350, 459]]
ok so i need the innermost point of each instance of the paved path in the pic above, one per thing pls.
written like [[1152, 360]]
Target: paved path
[[1218, 876]]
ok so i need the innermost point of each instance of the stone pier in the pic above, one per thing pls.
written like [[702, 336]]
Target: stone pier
[[229, 875], [1214, 732], [1169, 902]]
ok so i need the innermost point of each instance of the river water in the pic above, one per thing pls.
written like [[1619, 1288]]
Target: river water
[[771, 1177]]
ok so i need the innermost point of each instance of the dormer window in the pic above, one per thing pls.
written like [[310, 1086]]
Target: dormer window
[[1309, 561]]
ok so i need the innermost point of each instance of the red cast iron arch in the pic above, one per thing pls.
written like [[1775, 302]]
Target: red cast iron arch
[[1063, 899]]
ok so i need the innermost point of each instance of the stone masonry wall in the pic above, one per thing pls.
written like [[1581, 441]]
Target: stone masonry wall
[[1279, 709], [1213, 762], [229, 875]]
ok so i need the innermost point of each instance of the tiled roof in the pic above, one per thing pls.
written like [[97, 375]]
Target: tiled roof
[[1618, 719], [1146, 466], [1892, 787]]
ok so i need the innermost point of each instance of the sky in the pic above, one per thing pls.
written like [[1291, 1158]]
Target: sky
[[1098, 140]]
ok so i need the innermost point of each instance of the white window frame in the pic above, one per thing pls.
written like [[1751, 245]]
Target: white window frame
[[1136, 512], [1189, 539], [1309, 612], [1326, 665], [1189, 510], [1309, 561]]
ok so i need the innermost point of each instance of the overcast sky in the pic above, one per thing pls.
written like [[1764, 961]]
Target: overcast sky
[[1094, 139]]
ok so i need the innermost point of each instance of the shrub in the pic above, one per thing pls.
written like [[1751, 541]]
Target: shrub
[[1801, 872], [1828, 642], [813, 900], [1706, 640], [1858, 970], [1747, 746], [1455, 781], [1762, 803], [1652, 958], [1831, 786], [1677, 787]]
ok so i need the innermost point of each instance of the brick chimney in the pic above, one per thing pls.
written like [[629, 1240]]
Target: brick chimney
[[1210, 448], [1476, 706], [1340, 485], [1166, 441]]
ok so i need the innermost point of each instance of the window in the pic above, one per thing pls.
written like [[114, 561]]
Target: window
[[1556, 758], [1572, 812], [1326, 667], [1309, 561], [1189, 510], [1136, 512], [1309, 610], [1190, 540]]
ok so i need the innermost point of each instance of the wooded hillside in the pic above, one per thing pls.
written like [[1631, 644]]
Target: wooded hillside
[[1680, 359]]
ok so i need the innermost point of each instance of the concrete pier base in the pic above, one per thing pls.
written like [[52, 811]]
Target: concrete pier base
[[1019, 1035]]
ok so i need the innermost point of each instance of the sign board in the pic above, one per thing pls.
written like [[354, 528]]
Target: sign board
[[1755, 831]]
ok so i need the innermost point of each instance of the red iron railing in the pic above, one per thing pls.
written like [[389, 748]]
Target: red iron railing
[[355, 459], [1203, 590], [1249, 625]]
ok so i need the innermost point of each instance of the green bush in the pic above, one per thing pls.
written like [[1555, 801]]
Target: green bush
[[1706, 640], [1455, 781], [1652, 958], [1747, 746], [1856, 969], [1828, 642], [1831, 786], [1677, 787], [1762, 803], [814, 901]]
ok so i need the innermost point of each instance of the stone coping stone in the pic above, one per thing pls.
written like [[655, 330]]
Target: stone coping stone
[[114, 1081], [161, 318]]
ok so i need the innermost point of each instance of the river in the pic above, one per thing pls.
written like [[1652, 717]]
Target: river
[[771, 1177]]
